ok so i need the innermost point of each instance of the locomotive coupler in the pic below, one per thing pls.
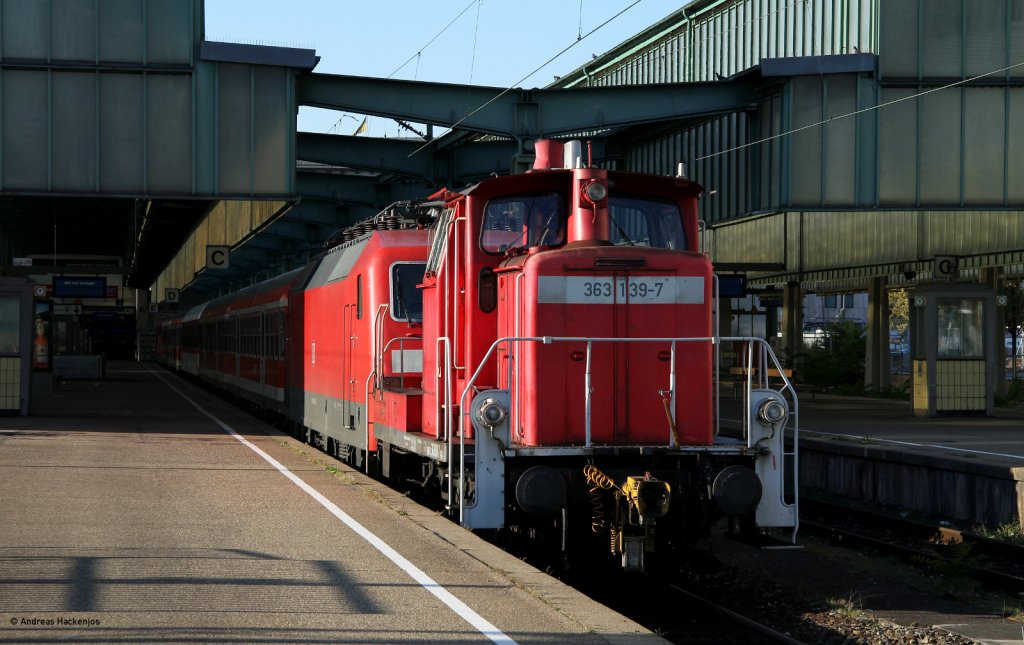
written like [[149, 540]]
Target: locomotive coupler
[[648, 498]]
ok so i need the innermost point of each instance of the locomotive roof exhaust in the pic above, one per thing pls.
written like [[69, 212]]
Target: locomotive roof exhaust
[[588, 207], [548, 153]]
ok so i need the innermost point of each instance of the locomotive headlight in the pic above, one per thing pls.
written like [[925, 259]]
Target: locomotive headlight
[[772, 412], [595, 192], [491, 413]]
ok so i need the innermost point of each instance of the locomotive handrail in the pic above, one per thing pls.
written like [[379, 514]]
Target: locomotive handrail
[[717, 357], [445, 428], [455, 288], [378, 354], [751, 342], [402, 340]]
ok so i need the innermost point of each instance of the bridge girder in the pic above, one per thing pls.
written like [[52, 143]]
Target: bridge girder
[[523, 114]]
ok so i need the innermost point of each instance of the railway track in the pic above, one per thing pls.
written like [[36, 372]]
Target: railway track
[[948, 551], [681, 611], [755, 631]]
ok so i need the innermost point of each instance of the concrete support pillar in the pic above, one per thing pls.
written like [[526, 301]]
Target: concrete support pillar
[[725, 328], [992, 278], [792, 318], [876, 360]]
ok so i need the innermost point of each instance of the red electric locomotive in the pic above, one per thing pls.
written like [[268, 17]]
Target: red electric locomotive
[[539, 350]]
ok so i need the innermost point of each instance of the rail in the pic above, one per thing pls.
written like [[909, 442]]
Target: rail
[[756, 375], [401, 340]]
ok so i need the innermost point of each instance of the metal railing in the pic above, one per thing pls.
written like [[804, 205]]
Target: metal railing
[[757, 373]]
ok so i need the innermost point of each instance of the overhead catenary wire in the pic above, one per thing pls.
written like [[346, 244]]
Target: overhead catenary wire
[[436, 36], [540, 67], [476, 33], [419, 52]]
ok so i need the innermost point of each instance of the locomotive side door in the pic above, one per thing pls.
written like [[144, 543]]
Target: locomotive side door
[[348, 377]]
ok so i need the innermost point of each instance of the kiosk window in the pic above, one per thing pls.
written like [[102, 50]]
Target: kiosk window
[[961, 328], [9, 310]]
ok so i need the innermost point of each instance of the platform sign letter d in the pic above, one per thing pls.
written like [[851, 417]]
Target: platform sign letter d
[[218, 257]]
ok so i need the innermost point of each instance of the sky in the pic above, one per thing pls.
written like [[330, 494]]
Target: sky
[[496, 43]]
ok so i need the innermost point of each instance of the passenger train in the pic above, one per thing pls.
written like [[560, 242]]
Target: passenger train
[[537, 351]]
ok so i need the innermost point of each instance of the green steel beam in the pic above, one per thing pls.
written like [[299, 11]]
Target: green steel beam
[[518, 113], [468, 162], [394, 156]]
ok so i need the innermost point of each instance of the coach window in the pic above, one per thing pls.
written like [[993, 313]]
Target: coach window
[[359, 297], [646, 222], [520, 222], [406, 298]]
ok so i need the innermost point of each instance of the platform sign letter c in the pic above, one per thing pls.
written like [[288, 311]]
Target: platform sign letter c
[[218, 257], [947, 266]]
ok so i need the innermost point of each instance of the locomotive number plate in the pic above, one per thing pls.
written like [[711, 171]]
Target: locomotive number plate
[[606, 290]]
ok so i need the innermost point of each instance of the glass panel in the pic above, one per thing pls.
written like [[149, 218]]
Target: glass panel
[[840, 140], [169, 146], [1016, 35], [746, 325], [986, 36], [1015, 143], [941, 38], [521, 222], [74, 131], [645, 222], [168, 31], [120, 31], [74, 30], [406, 299], [805, 179], [26, 124], [9, 310], [961, 327], [984, 145], [26, 29], [897, 140], [121, 127], [270, 158], [898, 36], [234, 130], [940, 148]]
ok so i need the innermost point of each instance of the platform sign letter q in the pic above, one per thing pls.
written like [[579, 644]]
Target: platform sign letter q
[[218, 257]]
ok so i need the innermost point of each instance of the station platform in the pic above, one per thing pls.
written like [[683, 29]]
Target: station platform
[[140, 508], [965, 469]]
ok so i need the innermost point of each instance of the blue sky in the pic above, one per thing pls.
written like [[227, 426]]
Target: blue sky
[[492, 42]]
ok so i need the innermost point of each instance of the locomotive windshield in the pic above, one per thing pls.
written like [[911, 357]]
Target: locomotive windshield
[[406, 299], [637, 221], [523, 221]]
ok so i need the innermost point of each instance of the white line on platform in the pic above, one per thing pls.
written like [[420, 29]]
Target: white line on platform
[[428, 583], [862, 437], [915, 445]]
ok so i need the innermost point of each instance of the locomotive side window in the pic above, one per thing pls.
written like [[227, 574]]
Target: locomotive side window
[[523, 221], [359, 296], [406, 299], [646, 222]]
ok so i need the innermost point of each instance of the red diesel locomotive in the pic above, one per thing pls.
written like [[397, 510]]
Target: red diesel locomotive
[[538, 350]]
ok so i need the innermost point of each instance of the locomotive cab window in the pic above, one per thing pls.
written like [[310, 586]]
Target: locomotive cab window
[[523, 221], [406, 298], [646, 222]]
